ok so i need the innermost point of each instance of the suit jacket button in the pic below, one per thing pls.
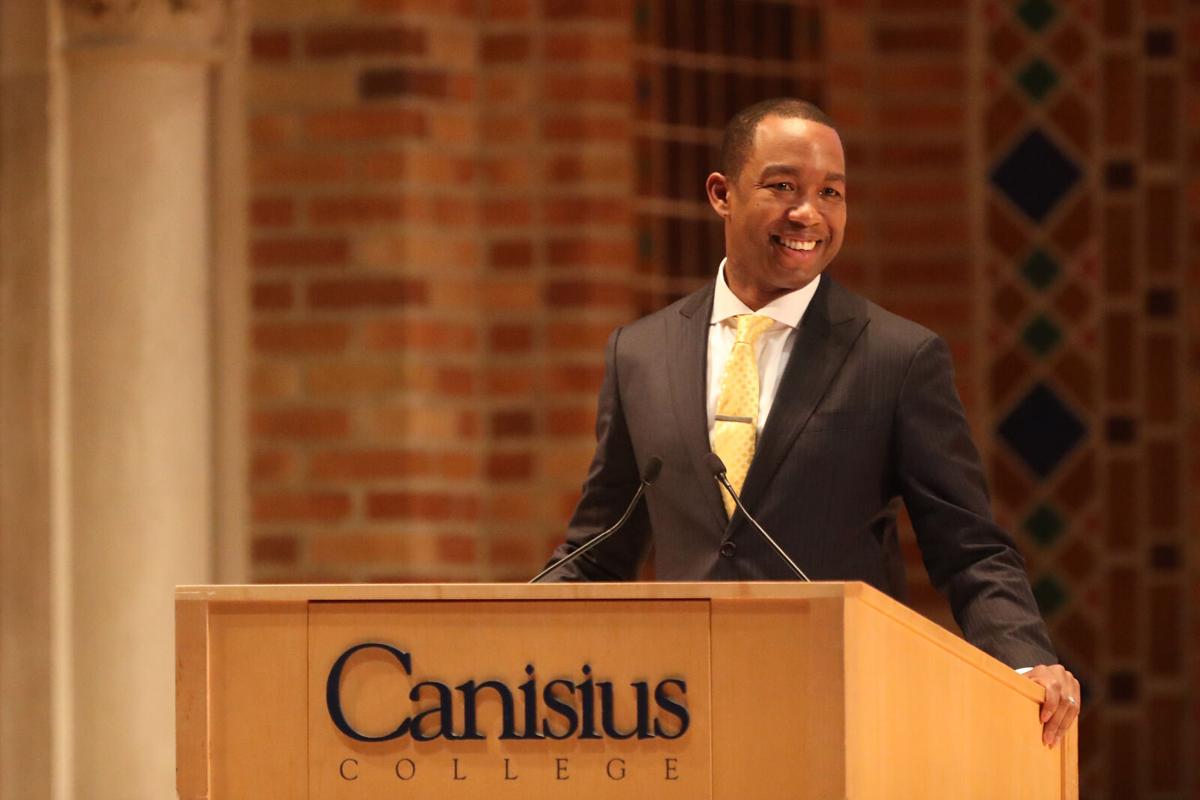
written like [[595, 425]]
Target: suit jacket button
[[728, 548]]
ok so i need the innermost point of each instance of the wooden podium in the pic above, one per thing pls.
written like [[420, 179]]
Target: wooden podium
[[726, 691]]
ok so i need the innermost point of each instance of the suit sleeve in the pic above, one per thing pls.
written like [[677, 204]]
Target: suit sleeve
[[611, 482], [969, 557]]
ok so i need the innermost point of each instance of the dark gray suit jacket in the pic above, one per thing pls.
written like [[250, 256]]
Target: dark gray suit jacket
[[866, 413]]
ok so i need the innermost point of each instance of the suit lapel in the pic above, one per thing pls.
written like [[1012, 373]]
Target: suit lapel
[[687, 364], [833, 322]]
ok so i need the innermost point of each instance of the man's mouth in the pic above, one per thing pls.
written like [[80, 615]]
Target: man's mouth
[[802, 245]]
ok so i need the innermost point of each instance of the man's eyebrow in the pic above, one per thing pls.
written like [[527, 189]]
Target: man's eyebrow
[[788, 169], [776, 169]]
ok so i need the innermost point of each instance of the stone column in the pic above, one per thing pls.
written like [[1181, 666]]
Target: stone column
[[122, 498], [138, 111]]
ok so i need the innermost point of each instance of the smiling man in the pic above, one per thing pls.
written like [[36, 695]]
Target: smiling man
[[826, 410]]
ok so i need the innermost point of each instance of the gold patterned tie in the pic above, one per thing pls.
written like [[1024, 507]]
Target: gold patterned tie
[[736, 428]]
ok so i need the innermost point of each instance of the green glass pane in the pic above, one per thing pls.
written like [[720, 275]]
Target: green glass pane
[[1050, 595], [1044, 526], [1041, 336], [1040, 269], [1037, 78], [1036, 14]]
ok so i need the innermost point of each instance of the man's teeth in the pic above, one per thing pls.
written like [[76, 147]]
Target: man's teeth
[[796, 244]]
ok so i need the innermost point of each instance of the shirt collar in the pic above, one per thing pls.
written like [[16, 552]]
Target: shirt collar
[[786, 310]]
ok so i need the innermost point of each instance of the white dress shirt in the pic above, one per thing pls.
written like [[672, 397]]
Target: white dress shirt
[[771, 350]]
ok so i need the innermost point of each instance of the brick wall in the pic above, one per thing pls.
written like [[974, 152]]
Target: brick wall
[[441, 243]]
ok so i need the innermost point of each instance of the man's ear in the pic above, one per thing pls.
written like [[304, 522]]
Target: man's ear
[[717, 187]]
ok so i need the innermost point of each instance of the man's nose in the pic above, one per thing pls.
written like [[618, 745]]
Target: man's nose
[[804, 212]]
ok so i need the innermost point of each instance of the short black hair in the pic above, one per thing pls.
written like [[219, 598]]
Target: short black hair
[[739, 132]]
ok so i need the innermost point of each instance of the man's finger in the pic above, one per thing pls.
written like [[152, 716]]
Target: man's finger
[[1058, 723], [1050, 706]]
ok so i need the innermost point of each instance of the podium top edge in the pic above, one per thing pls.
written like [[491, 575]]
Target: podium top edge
[[757, 590]]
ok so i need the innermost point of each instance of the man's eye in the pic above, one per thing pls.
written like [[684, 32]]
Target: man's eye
[[783, 186], [829, 191]]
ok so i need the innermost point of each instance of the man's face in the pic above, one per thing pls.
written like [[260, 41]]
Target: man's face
[[785, 213]]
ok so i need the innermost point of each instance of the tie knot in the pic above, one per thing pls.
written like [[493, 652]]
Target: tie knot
[[751, 326]]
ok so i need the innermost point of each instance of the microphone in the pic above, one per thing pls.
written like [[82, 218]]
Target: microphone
[[649, 476], [717, 466]]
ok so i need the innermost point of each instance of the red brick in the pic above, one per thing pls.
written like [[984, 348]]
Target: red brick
[[570, 421], [509, 172], [453, 8], [360, 464], [272, 211], [591, 169], [507, 211], [505, 127], [590, 252], [398, 82], [457, 466], [921, 191], [299, 251], [508, 9], [925, 117], [272, 129], [924, 6], [271, 296], [511, 254], [920, 77], [367, 292], [581, 87], [511, 338], [943, 229], [422, 505], [578, 335], [301, 337], [504, 48], [510, 466], [576, 47], [510, 550], [411, 334], [348, 378], [617, 10], [574, 378], [365, 123], [588, 293], [925, 39], [417, 165], [579, 210], [292, 168], [511, 381], [512, 423], [270, 45], [585, 128], [300, 423], [275, 549], [455, 381], [456, 549], [300, 506], [948, 156], [273, 381], [356, 209], [271, 465], [365, 40]]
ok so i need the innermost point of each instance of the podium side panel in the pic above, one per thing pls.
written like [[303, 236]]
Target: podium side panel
[[191, 699], [926, 717], [258, 711], [778, 698]]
